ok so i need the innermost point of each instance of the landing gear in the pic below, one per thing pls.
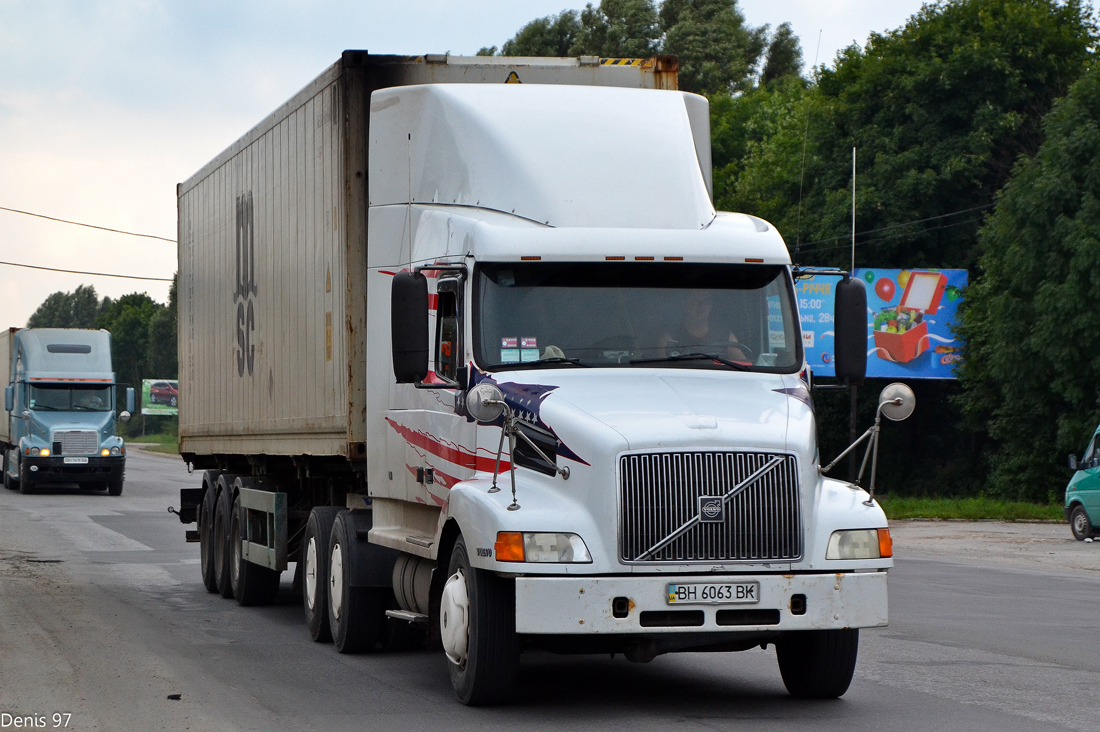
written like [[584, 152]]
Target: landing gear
[[252, 584]]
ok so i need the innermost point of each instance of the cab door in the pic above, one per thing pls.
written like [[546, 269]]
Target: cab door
[[1086, 481]]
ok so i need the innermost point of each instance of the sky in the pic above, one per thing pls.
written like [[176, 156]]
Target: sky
[[105, 105]]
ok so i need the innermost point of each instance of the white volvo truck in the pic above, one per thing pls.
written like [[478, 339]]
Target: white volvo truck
[[484, 361]]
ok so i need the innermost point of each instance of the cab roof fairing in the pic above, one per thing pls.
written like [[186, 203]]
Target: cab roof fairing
[[566, 156], [31, 352]]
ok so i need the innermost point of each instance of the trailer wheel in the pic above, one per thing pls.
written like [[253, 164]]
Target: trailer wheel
[[818, 664], [354, 613], [252, 584], [314, 558], [477, 620], [1079, 523], [222, 512], [206, 539]]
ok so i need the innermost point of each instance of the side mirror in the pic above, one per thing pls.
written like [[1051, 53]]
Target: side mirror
[[124, 416], [409, 327], [129, 403], [850, 328], [1073, 463], [485, 402], [9, 398]]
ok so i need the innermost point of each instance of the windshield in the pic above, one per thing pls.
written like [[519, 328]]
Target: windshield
[[724, 316], [58, 398]]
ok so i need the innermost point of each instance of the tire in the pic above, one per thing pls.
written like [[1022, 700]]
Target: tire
[[1079, 523], [354, 613], [173, 401], [12, 484], [314, 561], [252, 584], [206, 537], [484, 670], [222, 515], [114, 488], [818, 664], [26, 486]]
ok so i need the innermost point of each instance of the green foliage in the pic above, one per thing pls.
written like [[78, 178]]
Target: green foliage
[[718, 51], [486, 51], [784, 55], [617, 28], [553, 35], [1032, 368], [969, 509], [76, 309]]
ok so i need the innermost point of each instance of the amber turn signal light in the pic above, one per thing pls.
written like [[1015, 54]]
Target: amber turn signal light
[[509, 546], [885, 543]]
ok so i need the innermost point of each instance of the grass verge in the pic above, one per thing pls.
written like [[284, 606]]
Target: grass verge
[[969, 509], [166, 444]]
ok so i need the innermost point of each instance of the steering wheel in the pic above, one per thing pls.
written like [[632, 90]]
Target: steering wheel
[[750, 355]]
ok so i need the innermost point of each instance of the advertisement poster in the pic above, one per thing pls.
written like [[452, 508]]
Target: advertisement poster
[[160, 397], [910, 314]]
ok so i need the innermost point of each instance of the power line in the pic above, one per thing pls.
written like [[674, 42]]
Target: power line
[[88, 226], [898, 226], [93, 274], [896, 236]]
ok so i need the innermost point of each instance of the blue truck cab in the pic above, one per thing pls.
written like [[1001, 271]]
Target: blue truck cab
[[61, 410]]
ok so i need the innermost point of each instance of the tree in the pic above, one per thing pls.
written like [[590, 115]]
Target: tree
[[163, 359], [618, 28], [553, 35], [1032, 370], [128, 321], [718, 51], [76, 309], [784, 55]]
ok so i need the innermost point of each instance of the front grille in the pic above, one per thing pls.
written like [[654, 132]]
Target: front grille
[[77, 442], [659, 494]]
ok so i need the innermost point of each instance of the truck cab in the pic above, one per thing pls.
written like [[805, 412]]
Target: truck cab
[[61, 411]]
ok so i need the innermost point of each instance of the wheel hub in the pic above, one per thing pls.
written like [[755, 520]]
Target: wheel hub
[[454, 617], [336, 581], [311, 573]]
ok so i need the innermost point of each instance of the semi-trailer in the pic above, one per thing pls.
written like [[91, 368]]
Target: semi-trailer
[[481, 358]]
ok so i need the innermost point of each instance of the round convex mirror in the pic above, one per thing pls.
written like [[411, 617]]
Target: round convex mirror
[[897, 402], [485, 402]]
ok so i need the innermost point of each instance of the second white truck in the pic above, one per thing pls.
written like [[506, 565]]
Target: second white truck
[[485, 363]]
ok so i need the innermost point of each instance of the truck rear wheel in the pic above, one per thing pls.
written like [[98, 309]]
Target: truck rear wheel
[[252, 584], [206, 538], [354, 613], [315, 575], [477, 619], [818, 664], [222, 512]]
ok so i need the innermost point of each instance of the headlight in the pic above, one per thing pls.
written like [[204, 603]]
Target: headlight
[[116, 450], [34, 452], [513, 546], [860, 544]]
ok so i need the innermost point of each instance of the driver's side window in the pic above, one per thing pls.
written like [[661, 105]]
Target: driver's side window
[[447, 353]]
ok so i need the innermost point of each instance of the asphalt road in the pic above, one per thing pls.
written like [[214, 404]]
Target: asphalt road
[[103, 616]]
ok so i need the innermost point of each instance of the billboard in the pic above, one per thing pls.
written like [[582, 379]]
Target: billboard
[[910, 316], [160, 397]]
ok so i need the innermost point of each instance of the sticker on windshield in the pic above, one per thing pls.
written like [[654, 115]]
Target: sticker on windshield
[[509, 350]]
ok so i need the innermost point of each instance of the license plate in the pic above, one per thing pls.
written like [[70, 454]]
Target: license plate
[[76, 461], [710, 593]]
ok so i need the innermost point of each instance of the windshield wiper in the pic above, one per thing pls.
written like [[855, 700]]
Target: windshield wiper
[[694, 357], [45, 408], [551, 359]]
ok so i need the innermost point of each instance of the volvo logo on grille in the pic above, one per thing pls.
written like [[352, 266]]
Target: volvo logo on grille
[[711, 510]]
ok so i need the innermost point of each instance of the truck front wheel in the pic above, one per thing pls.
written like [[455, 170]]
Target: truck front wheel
[[1079, 523], [314, 560], [114, 487], [818, 664], [252, 584], [26, 486], [12, 484], [477, 621], [354, 613]]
